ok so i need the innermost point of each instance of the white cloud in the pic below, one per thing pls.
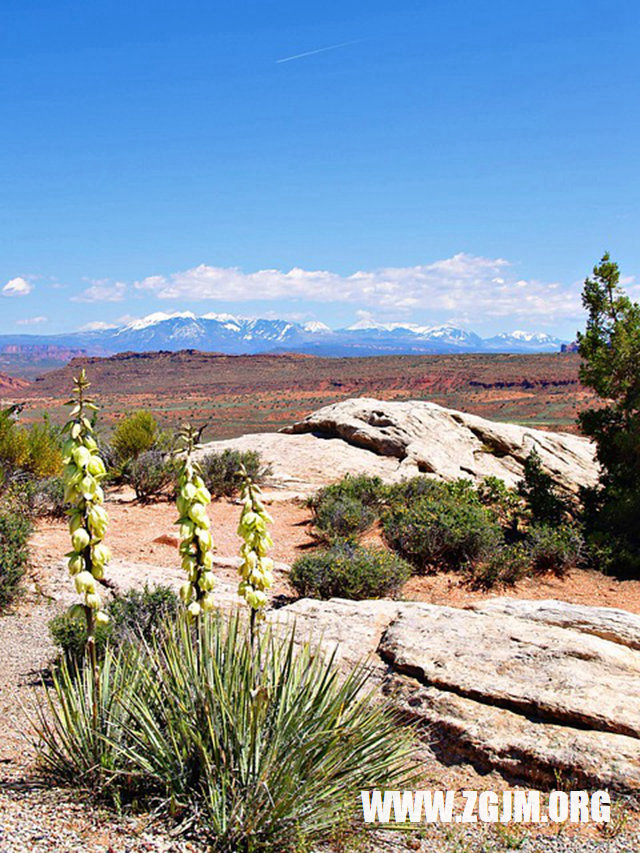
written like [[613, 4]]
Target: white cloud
[[97, 326], [18, 286], [31, 321], [478, 287], [102, 290]]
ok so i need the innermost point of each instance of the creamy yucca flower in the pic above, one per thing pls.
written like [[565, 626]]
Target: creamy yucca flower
[[256, 569], [82, 473], [196, 542]]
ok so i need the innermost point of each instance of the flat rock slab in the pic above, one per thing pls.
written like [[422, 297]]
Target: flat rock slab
[[349, 629], [514, 693], [610, 623], [449, 444], [546, 672]]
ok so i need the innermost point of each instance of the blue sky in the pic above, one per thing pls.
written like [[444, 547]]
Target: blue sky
[[454, 161]]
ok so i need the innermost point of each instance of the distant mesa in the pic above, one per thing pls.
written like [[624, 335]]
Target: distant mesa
[[12, 383]]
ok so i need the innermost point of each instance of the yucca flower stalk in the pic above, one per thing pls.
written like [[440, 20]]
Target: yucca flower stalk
[[196, 542], [82, 473], [256, 569]]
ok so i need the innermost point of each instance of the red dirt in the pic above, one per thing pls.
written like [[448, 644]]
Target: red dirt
[[147, 534]]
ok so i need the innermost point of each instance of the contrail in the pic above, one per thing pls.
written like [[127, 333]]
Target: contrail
[[319, 50]]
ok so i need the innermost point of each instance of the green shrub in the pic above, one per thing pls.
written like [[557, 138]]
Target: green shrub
[[138, 614], [13, 442], [69, 633], [507, 565], [150, 474], [14, 535], [345, 509], [342, 517], [44, 456], [134, 435], [505, 506], [370, 491], [220, 471], [33, 450], [25, 495], [142, 613], [349, 571], [554, 549], [416, 488], [439, 525]]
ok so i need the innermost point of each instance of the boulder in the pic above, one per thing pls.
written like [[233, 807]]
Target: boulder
[[509, 691], [431, 439]]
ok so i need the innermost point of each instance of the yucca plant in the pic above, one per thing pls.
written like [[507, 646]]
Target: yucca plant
[[256, 569], [260, 745], [72, 748], [196, 542], [82, 473]]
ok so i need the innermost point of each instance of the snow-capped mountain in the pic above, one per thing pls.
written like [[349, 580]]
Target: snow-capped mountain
[[229, 333], [523, 342]]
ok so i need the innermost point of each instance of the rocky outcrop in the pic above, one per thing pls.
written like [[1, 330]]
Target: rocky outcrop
[[610, 623], [507, 690], [300, 464], [428, 438]]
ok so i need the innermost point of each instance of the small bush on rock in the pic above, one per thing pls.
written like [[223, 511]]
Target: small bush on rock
[[150, 474], [349, 571], [221, 471]]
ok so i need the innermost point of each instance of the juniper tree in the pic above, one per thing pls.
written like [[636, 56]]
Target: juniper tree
[[610, 350]]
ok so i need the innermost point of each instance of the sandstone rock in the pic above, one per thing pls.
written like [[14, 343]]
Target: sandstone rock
[[610, 623], [510, 692], [553, 674], [350, 629], [431, 439], [301, 464]]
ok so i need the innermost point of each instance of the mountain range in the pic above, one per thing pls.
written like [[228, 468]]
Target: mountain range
[[232, 334]]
